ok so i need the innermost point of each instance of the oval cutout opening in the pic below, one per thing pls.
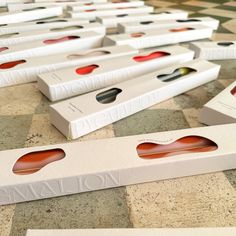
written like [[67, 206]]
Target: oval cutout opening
[[181, 29], [3, 49], [1, 25], [34, 161], [34, 9], [188, 20], [59, 40], [233, 91], [86, 69], [225, 44], [122, 15], [67, 28], [151, 56], [187, 144], [137, 35], [8, 35], [88, 54], [161, 12], [176, 74], [53, 21], [146, 22], [108, 96], [11, 64]]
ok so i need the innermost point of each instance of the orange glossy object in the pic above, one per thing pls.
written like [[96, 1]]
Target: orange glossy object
[[86, 69], [11, 64], [181, 29], [188, 144], [137, 35], [233, 91], [151, 56], [35, 161], [3, 49], [51, 41]]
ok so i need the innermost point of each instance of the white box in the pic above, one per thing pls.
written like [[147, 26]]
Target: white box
[[109, 5], [79, 1], [67, 83], [130, 27], [22, 16], [40, 25], [26, 71], [220, 50], [99, 164], [224, 231], [91, 15], [19, 6], [159, 37], [29, 36], [221, 109], [81, 115], [161, 14], [85, 40]]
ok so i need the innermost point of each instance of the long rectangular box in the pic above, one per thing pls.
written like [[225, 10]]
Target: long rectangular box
[[79, 1], [160, 37], [63, 169], [40, 25], [29, 36], [91, 15], [76, 80], [35, 14], [220, 50], [131, 27], [223, 231], [109, 5], [221, 109], [52, 45], [81, 115], [25, 71], [161, 14]]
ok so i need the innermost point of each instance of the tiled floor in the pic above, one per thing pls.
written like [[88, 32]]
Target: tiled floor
[[206, 200]]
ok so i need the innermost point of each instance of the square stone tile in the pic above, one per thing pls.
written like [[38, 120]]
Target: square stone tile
[[6, 215], [200, 4], [218, 12], [230, 25]]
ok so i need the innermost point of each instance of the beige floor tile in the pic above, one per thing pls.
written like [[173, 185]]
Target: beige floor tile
[[15, 100], [232, 3], [219, 12], [6, 214], [221, 36], [191, 115], [200, 4], [197, 201], [160, 3], [230, 25]]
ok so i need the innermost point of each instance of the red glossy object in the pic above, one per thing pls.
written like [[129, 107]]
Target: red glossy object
[[3, 49], [137, 35], [233, 91], [181, 29], [86, 69], [51, 41], [188, 144], [151, 56], [35, 161], [11, 64]]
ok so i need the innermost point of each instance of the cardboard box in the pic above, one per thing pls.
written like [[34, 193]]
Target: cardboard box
[[19, 6], [34, 14], [69, 168], [109, 5], [221, 109], [159, 37], [224, 231], [91, 15], [220, 50], [73, 81], [29, 36], [81, 115], [130, 27], [40, 25], [25, 71], [161, 14], [52, 45]]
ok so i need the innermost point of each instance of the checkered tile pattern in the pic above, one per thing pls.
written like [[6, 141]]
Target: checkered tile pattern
[[206, 200]]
